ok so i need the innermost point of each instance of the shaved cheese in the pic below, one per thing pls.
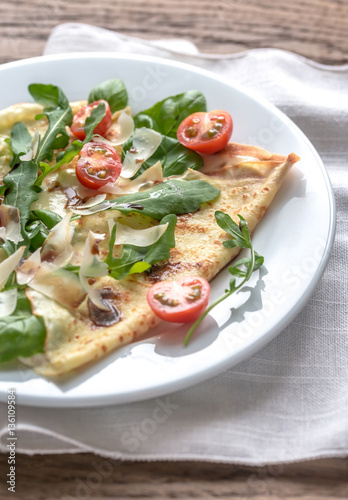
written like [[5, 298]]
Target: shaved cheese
[[111, 188], [145, 143], [92, 210], [45, 277], [126, 235], [33, 149], [8, 265], [91, 202], [10, 222], [57, 248], [146, 180], [55, 201], [26, 272], [60, 285], [8, 302], [92, 267], [122, 130]]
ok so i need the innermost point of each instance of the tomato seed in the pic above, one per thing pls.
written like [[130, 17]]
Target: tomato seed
[[191, 132]]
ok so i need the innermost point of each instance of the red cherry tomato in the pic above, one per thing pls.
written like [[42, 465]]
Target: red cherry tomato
[[206, 132], [79, 120], [97, 165], [180, 301]]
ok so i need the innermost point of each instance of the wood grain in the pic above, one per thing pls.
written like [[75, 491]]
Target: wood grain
[[86, 476], [313, 28]]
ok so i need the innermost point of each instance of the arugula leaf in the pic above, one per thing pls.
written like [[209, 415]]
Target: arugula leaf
[[21, 191], [49, 96], [59, 115], [49, 218], [241, 238], [37, 233], [166, 116], [92, 121], [130, 257], [228, 225], [160, 249], [22, 333], [20, 142], [171, 197], [39, 226], [75, 147], [9, 247], [112, 91], [70, 153], [138, 259], [174, 157]]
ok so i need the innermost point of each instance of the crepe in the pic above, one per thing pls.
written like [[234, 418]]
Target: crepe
[[247, 177], [247, 188]]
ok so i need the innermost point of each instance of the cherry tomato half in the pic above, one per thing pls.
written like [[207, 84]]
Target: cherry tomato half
[[180, 301], [79, 120], [206, 132], [97, 165]]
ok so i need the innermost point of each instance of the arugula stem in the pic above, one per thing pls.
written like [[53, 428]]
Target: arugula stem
[[250, 269], [201, 318]]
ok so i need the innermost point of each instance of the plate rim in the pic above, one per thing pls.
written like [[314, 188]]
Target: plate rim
[[212, 371]]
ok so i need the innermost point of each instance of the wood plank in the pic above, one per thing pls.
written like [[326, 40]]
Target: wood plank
[[86, 476], [313, 28]]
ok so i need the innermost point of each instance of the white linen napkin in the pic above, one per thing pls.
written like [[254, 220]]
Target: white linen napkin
[[288, 402]]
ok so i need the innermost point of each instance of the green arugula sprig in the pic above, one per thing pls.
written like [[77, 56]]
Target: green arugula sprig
[[171, 197], [136, 259], [75, 147], [240, 238], [59, 114]]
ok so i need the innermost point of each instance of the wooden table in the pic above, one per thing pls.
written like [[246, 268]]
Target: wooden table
[[314, 28]]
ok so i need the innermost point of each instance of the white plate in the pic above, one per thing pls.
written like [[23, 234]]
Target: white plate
[[295, 237]]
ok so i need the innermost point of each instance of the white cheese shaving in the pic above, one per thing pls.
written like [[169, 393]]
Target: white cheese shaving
[[123, 129], [92, 267], [47, 278], [10, 224], [145, 143], [111, 189], [126, 235], [92, 210], [147, 179], [8, 265], [8, 302], [60, 285], [26, 272], [57, 248], [91, 202]]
